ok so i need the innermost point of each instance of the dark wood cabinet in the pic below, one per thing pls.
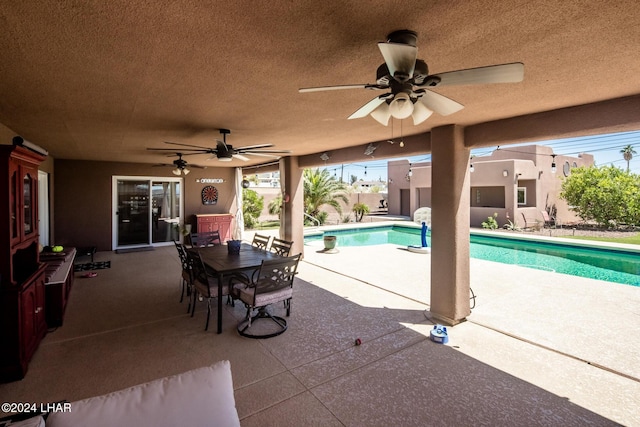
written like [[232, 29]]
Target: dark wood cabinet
[[215, 222], [22, 293]]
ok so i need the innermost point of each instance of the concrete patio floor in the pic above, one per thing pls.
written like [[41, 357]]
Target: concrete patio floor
[[539, 348]]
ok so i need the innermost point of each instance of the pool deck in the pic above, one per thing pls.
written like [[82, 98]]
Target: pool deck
[[584, 322]]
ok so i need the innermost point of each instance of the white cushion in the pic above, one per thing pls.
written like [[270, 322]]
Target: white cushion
[[29, 422], [201, 397]]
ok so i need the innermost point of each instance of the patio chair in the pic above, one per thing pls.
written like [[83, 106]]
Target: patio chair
[[272, 283], [260, 241], [280, 247], [549, 221], [186, 279], [204, 284], [207, 238]]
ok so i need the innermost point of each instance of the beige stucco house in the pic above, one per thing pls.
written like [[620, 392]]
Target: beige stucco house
[[515, 183]]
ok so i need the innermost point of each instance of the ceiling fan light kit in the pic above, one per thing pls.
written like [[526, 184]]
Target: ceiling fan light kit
[[408, 80]]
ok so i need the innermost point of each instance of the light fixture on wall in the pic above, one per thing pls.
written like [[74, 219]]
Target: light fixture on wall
[[324, 157], [471, 168], [553, 163], [505, 173], [409, 173]]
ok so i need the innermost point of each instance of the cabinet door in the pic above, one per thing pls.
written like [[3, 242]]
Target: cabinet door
[[32, 317], [28, 321]]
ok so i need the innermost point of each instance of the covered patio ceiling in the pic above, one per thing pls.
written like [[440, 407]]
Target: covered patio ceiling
[[97, 80]]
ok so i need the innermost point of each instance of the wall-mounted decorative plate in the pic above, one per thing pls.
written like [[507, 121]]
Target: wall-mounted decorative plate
[[209, 195]]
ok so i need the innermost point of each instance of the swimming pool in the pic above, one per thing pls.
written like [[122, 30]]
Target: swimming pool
[[599, 263]]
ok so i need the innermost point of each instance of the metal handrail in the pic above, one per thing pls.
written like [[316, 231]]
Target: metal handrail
[[312, 218]]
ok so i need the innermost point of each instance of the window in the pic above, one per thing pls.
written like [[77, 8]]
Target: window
[[522, 196]]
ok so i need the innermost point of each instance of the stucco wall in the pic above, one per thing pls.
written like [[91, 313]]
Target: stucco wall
[[83, 202]]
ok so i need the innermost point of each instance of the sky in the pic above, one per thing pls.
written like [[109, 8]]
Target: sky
[[604, 148]]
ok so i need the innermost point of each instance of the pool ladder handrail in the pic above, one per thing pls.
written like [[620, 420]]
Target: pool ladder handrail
[[312, 219]]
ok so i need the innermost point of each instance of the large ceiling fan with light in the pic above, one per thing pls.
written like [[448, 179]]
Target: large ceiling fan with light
[[226, 152], [408, 81]]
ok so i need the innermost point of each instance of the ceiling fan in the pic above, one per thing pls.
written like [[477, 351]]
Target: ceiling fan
[[407, 79], [180, 165], [225, 152]]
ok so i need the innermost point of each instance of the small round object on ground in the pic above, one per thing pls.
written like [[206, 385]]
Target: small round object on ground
[[358, 341]]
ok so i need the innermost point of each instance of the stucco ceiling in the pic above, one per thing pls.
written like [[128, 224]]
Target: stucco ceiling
[[104, 80]]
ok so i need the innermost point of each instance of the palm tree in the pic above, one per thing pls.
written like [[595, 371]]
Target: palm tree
[[627, 153], [320, 188]]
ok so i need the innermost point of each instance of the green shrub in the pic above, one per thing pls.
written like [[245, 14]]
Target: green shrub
[[491, 223]]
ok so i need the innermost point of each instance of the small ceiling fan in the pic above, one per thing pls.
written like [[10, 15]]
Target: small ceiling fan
[[407, 79], [180, 165], [225, 152]]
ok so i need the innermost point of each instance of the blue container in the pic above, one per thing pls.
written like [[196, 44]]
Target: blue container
[[233, 246], [439, 334]]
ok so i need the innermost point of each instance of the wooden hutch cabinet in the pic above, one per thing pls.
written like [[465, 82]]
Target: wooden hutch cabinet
[[22, 292]]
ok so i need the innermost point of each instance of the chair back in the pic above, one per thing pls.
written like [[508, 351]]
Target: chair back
[[260, 241], [281, 247], [181, 253], [207, 238], [199, 271], [276, 274]]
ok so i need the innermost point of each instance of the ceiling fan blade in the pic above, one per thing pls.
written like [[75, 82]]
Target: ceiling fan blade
[[505, 73], [173, 150], [399, 57], [263, 154], [382, 114], [367, 108], [240, 157], [265, 151], [420, 113], [193, 147], [339, 87], [440, 103], [251, 147]]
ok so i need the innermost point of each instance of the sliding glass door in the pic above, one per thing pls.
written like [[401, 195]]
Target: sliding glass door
[[146, 210]]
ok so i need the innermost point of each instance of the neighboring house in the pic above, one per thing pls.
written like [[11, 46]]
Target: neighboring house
[[367, 186], [266, 179], [516, 183]]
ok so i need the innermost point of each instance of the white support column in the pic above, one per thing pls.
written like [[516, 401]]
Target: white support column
[[450, 279]]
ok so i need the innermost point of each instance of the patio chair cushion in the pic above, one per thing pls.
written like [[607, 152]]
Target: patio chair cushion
[[212, 289], [246, 295]]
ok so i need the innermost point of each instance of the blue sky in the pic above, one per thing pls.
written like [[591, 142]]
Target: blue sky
[[605, 149]]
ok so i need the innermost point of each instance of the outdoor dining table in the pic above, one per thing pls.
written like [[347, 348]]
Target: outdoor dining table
[[221, 263]]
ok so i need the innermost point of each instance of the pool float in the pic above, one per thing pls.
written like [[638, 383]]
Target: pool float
[[424, 249]]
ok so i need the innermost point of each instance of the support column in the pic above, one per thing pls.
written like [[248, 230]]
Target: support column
[[450, 278], [292, 218]]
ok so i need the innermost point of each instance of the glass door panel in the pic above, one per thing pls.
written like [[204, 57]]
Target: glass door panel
[[133, 212], [165, 211], [27, 204]]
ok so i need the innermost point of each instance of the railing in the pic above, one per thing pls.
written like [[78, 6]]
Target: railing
[[312, 219]]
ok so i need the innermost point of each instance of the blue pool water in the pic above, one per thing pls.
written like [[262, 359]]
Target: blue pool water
[[617, 266]]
